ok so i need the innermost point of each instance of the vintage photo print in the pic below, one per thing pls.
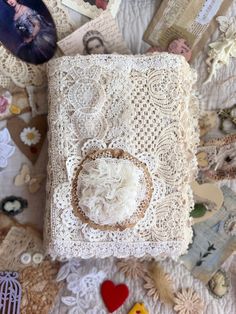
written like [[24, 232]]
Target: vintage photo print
[[93, 8], [99, 36], [27, 30]]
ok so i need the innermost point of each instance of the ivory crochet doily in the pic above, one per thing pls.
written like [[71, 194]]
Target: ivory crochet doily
[[143, 105], [14, 71]]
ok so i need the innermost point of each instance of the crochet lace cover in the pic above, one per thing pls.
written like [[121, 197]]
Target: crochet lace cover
[[143, 106]]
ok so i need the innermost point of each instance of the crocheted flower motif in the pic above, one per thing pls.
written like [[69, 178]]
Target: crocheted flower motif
[[6, 150], [151, 287], [110, 190], [30, 136], [85, 284], [132, 268], [188, 302]]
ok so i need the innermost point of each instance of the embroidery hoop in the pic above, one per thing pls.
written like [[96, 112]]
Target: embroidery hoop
[[118, 154]]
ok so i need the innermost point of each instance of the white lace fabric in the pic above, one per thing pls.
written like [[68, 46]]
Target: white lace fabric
[[143, 105]]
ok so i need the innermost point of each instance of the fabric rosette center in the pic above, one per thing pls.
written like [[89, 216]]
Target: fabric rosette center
[[111, 189]]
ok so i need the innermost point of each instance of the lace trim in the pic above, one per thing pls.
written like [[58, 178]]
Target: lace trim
[[17, 241], [143, 105], [13, 70]]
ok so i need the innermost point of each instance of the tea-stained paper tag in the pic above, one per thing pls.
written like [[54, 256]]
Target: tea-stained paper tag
[[187, 19]]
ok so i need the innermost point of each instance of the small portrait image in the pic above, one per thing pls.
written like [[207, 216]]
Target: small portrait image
[[94, 43], [27, 30], [100, 4]]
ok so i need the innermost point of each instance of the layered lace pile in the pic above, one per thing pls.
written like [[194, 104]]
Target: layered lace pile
[[101, 108]]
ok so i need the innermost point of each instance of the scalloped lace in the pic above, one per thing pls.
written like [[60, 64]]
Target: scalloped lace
[[143, 105], [14, 71]]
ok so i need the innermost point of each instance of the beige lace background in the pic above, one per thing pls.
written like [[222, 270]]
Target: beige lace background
[[133, 18], [144, 105], [16, 72]]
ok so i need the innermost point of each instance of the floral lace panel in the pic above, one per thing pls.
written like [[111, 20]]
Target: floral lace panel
[[83, 290], [139, 105], [23, 74]]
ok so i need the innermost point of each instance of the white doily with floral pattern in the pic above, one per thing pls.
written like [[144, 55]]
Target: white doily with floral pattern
[[143, 105]]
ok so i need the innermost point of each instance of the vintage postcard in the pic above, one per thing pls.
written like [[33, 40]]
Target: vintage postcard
[[214, 240], [27, 30], [190, 20], [93, 8], [99, 36]]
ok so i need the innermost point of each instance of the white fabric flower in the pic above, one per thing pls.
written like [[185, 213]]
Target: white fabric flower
[[30, 136], [87, 284], [109, 191], [6, 150]]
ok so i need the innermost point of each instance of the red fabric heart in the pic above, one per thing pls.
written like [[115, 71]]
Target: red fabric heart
[[113, 296]]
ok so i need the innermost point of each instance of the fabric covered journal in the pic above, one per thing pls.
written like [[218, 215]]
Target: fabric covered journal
[[123, 133]]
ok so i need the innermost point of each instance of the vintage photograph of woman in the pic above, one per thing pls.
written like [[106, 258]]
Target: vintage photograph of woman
[[27, 30], [94, 43]]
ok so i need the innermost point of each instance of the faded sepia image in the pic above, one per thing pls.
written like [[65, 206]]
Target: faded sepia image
[[93, 8], [27, 30], [94, 43], [99, 36]]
